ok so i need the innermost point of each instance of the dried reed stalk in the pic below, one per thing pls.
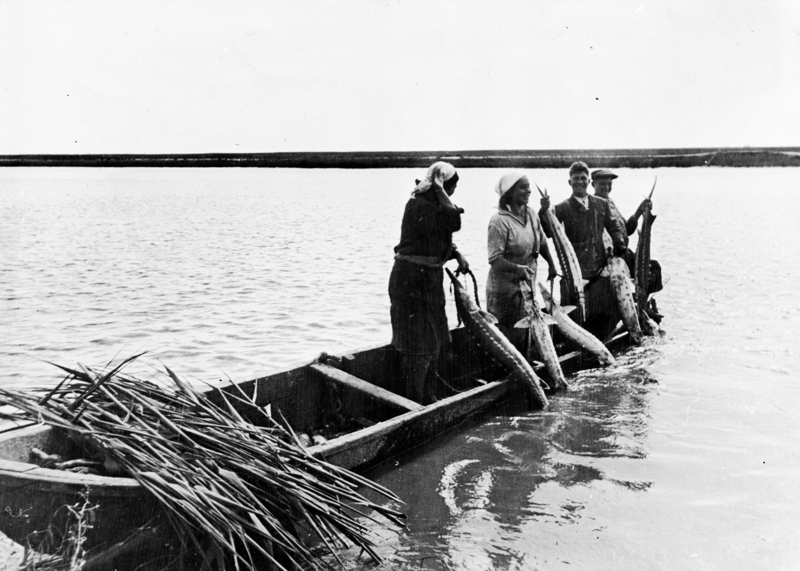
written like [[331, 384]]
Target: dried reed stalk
[[230, 489]]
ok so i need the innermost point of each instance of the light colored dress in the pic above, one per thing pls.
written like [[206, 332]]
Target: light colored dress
[[518, 241]]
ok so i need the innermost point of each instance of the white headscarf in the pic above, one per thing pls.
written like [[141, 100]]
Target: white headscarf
[[507, 181], [425, 184]]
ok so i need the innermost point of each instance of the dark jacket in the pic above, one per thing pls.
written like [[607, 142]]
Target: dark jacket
[[416, 292], [629, 225], [427, 228], [584, 228]]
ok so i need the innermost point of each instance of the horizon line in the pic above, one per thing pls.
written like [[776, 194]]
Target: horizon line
[[542, 158]]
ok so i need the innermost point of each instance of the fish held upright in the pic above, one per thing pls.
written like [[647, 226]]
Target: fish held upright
[[622, 286], [568, 260], [539, 336], [642, 268], [482, 326]]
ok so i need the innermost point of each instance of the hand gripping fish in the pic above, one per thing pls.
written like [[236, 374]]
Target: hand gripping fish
[[643, 254], [622, 286], [575, 332], [568, 260], [537, 323], [482, 326]]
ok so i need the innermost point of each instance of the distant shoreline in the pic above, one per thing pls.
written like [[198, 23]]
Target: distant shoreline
[[616, 158]]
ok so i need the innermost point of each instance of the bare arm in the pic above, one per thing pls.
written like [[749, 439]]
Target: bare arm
[[504, 265], [463, 264]]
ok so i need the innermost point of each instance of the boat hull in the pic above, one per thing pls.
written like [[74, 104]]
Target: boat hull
[[33, 499]]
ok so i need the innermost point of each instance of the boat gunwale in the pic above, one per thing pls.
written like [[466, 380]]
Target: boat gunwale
[[341, 443], [352, 439], [14, 469]]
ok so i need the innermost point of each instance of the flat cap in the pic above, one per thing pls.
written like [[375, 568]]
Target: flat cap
[[603, 173]]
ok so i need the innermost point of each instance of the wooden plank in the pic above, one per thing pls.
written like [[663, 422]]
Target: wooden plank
[[367, 447], [280, 390], [346, 379], [379, 366]]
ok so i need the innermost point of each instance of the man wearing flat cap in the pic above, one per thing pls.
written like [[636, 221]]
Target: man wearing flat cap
[[585, 218], [602, 181]]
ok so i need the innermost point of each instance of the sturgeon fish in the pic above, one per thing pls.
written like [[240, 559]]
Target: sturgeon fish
[[540, 336], [481, 325], [568, 260], [575, 332], [622, 286], [642, 268], [649, 327]]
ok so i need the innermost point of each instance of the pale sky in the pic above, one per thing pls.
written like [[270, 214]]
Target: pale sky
[[224, 76]]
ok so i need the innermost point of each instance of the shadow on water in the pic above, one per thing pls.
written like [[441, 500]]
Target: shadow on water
[[475, 495]]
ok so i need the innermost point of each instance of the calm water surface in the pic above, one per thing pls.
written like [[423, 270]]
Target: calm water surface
[[684, 455]]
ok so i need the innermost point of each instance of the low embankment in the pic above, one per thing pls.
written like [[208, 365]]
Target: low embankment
[[616, 158]]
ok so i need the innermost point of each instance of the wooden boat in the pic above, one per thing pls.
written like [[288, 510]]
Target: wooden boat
[[355, 402]]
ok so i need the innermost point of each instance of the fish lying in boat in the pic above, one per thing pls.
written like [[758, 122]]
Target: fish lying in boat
[[642, 268], [482, 326], [622, 286], [575, 332], [537, 323], [568, 260]]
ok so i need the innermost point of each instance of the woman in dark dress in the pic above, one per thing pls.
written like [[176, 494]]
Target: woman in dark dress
[[416, 290]]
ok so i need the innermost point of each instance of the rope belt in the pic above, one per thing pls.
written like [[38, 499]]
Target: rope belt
[[427, 261]]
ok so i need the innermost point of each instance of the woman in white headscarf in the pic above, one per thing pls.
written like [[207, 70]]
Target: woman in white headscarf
[[416, 291], [516, 240]]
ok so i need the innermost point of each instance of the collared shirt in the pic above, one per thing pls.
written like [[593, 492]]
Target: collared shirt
[[584, 200], [516, 240]]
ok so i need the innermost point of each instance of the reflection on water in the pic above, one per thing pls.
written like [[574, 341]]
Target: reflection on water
[[516, 480], [682, 456]]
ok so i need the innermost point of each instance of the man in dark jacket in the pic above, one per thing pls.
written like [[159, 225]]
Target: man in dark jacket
[[602, 181], [584, 218]]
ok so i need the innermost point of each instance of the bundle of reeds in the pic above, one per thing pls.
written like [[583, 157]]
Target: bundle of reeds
[[231, 490]]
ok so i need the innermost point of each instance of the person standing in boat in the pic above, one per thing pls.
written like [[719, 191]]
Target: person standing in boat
[[416, 290], [584, 218], [516, 240], [602, 182]]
